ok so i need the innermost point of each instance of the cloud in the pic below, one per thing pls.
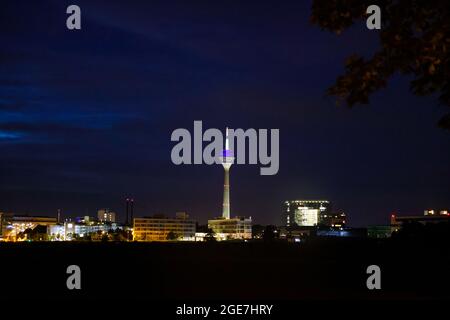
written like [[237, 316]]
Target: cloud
[[12, 106]]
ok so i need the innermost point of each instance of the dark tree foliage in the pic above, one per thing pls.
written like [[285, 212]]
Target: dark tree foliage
[[437, 234], [210, 235], [257, 231], [172, 236], [269, 233], [414, 40]]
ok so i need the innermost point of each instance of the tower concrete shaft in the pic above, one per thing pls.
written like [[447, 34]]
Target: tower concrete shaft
[[226, 195]]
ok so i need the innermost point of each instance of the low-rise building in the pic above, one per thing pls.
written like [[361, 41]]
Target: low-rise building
[[333, 220], [13, 227], [341, 232], [429, 216], [161, 228], [233, 228], [82, 227], [381, 231], [296, 233], [56, 232]]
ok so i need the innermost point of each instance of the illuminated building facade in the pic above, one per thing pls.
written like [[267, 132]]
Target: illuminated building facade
[[296, 233], [233, 228], [38, 228], [106, 215], [332, 220], [429, 216], [431, 212], [83, 227], [160, 228], [305, 213], [13, 226], [57, 232]]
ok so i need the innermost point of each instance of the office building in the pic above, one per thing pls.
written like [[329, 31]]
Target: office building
[[231, 229], [296, 233], [431, 212], [332, 220], [106, 215], [345, 233], [86, 227], [161, 228], [429, 216], [305, 212], [14, 226], [56, 232]]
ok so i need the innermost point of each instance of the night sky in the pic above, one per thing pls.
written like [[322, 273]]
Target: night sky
[[86, 116]]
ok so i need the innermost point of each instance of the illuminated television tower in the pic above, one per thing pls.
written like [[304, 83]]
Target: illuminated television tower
[[227, 160]]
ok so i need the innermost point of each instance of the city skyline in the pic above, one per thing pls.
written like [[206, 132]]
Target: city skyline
[[85, 118], [121, 217], [225, 158]]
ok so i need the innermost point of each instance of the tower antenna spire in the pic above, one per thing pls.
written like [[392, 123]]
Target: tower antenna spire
[[227, 143]]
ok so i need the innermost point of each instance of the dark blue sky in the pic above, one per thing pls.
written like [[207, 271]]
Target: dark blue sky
[[86, 116]]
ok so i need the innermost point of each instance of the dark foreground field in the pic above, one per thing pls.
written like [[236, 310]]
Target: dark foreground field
[[319, 269]]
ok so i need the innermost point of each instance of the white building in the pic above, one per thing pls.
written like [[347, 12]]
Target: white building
[[57, 232], [231, 229], [83, 227], [305, 213]]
